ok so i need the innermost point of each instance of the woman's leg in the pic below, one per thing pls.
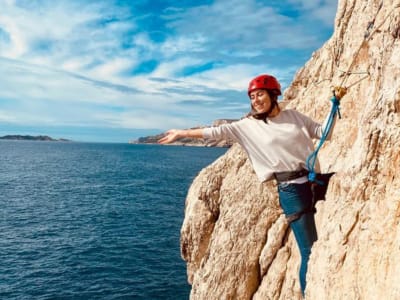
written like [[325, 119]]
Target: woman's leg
[[295, 198], [305, 232]]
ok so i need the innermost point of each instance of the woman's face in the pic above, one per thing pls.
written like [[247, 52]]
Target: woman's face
[[260, 101]]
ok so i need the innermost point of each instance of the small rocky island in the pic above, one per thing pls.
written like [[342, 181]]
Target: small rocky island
[[17, 137], [189, 141]]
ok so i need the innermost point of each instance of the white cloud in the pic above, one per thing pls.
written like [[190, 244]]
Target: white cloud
[[54, 97], [326, 12], [63, 33], [143, 41], [322, 10], [6, 116], [17, 45], [76, 64], [242, 26], [181, 44], [113, 67], [237, 77], [84, 63], [135, 119], [169, 69]]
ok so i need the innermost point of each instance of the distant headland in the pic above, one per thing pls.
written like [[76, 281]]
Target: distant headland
[[188, 141], [17, 137]]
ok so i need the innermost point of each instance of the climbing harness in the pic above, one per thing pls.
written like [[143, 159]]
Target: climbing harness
[[339, 92], [319, 182], [318, 191]]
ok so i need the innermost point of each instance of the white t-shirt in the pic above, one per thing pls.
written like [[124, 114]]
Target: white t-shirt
[[282, 144]]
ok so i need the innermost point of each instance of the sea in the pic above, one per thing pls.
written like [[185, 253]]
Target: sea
[[94, 220]]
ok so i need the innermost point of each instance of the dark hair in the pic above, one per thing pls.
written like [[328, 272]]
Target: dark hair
[[273, 95]]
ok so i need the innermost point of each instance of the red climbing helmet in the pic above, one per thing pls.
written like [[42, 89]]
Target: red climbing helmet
[[266, 82]]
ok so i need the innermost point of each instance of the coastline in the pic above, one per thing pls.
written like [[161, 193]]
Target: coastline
[[17, 137]]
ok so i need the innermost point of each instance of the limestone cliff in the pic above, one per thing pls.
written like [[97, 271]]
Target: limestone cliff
[[234, 238]]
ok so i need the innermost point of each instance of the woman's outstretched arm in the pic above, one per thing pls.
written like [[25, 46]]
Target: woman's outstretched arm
[[174, 134]]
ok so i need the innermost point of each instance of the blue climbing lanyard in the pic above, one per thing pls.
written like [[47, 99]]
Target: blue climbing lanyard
[[312, 158]]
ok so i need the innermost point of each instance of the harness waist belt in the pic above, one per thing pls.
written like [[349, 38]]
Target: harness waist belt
[[290, 175]]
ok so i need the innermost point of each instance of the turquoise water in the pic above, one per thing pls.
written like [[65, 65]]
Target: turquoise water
[[94, 221]]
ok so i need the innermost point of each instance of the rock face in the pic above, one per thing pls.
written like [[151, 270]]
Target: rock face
[[234, 238]]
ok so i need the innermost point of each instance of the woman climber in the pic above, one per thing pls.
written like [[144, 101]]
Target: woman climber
[[278, 143]]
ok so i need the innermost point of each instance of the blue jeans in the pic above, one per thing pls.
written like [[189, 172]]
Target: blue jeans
[[294, 198]]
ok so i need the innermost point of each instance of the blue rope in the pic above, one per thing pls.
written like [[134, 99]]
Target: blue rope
[[312, 158]]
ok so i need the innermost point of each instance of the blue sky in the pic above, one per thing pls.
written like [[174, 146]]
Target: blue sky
[[114, 70]]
